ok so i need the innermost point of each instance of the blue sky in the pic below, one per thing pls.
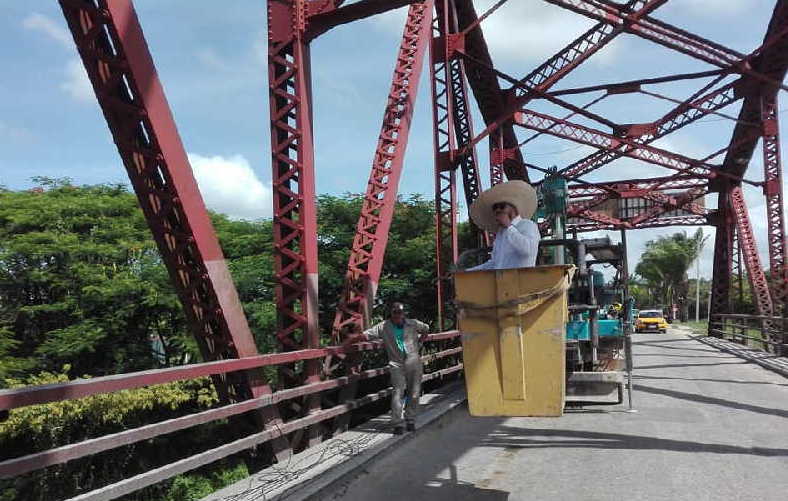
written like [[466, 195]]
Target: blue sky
[[211, 60]]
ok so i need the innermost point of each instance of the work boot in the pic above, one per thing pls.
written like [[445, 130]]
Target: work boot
[[399, 430], [411, 426]]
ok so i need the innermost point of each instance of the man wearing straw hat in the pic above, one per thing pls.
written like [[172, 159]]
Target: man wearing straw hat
[[506, 210]]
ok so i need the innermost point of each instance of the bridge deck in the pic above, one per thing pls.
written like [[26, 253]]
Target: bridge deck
[[709, 426]]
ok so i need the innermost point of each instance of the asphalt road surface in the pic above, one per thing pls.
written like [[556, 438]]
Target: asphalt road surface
[[708, 426]]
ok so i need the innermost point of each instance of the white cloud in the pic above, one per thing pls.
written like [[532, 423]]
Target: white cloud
[[55, 31], [230, 186], [76, 83]]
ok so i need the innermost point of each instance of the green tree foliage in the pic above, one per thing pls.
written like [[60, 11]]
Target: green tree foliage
[[409, 267], [81, 282], [83, 291], [663, 267]]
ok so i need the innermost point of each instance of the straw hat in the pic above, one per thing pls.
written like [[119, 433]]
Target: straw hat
[[518, 193]]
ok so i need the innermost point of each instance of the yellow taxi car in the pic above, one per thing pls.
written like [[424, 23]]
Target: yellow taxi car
[[651, 321]]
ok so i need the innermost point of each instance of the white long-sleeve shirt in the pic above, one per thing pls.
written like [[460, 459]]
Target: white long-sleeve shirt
[[514, 247]]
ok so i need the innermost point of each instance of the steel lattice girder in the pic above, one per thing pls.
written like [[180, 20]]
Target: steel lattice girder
[[114, 52], [774, 204], [681, 116], [666, 35], [293, 191], [369, 244], [543, 78], [757, 278], [634, 188], [445, 150], [660, 222], [772, 61], [487, 90], [607, 142]]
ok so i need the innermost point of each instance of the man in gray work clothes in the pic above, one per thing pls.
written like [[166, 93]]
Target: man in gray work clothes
[[402, 338]]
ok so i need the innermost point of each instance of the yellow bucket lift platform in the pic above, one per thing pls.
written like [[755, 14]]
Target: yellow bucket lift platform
[[513, 324]]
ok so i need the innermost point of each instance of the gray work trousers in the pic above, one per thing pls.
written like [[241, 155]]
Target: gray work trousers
[[406, 380]]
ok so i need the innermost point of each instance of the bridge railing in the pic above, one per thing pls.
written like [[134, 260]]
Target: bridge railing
[[758, 331], [33, 395]]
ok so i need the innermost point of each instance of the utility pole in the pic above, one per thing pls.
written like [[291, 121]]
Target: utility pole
[[697, 289]]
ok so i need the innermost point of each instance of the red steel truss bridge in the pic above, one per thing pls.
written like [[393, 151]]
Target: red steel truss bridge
[[445, 38]]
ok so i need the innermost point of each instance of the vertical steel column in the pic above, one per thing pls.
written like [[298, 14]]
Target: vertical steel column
[[295, 211], [294, 200], [372, 231], [113, 49], [720, 300], [755, 274], [444, 143], [773, 190]]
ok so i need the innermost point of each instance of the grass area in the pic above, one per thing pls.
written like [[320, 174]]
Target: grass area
[[700, 327]]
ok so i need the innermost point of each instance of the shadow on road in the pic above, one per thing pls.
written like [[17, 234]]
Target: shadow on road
[[669, 366], [637, 376], [455, 490], [694, 397], [534, 438]]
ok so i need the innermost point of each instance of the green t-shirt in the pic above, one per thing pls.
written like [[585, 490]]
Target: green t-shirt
[[399, 334]]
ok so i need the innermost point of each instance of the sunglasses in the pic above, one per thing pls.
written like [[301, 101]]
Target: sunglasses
[[499, 206]]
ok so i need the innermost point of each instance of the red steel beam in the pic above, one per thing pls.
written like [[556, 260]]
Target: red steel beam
[[321, 20], [667, 204], [723, 261], [586, 226], [152, 477], [487, 92], [758, 283], [773, 62], [546, 75], [773, 190], [665, 35], [372, 231], [80, 388], [679, 117], [445, 148], [294, 198], [631, 86], [633, 188], [113, 49], [627, 147], [377, 211], [295, 212]]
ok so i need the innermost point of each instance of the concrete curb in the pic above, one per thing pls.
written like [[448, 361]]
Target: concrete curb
[[309, 474]]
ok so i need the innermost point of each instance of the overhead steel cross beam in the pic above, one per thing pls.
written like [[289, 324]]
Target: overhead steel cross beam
[[681, 116], [589, 225], [498, 108], [665, 35], [584, 135], [633, 188], [663, 203], [115, 54], [324, 15]]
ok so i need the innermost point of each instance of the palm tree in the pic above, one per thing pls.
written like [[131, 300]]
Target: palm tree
[[665, 263]]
